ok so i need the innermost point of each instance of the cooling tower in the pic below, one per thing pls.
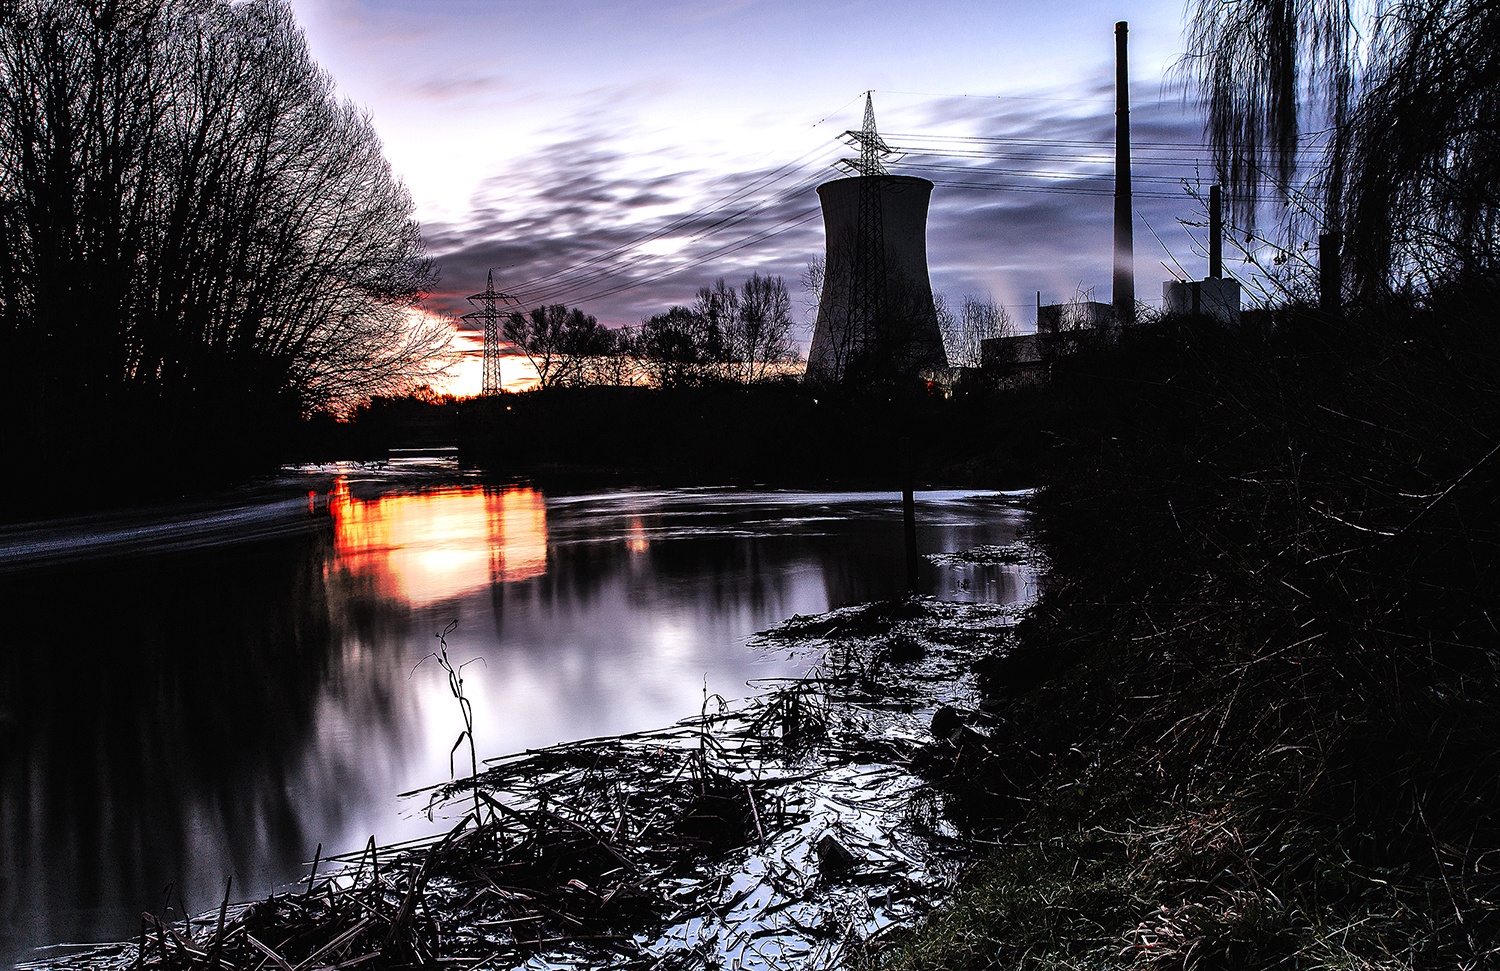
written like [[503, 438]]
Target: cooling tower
[[903, 339]]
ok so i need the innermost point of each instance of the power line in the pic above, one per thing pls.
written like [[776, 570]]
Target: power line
[[1080, 157], [765, 181], [778, 229], [1058, 176], [1094, 158], [1023, 97], [1077, 142], [1062, 190], [597, 269], [711, 230]]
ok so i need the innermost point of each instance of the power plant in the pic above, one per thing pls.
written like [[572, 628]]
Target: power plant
[[876, 318]]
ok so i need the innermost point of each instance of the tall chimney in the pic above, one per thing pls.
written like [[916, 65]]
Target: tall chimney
[[1215, 233], [1124, 291]]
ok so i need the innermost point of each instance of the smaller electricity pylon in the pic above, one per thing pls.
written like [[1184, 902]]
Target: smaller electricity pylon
[[491, 314]]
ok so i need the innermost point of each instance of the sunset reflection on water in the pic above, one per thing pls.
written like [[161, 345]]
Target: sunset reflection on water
[[253, 680], [435, 546]]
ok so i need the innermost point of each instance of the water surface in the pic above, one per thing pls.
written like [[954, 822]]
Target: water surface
[[212, 690]]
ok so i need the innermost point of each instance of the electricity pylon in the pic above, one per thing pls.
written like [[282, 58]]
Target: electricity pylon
[[491, 315], [866, 300]]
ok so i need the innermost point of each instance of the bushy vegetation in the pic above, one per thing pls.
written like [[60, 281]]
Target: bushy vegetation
[[729, 334], [1251, 721], [565, 346]]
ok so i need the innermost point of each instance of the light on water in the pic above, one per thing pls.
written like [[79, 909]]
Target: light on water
[[440, 545], [227, 698]]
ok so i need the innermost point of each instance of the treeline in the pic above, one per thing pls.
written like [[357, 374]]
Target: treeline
[[197, 236], [729, 334]]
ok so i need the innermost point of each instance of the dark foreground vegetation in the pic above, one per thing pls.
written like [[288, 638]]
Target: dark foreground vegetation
[[1252, 721], [777, 432]]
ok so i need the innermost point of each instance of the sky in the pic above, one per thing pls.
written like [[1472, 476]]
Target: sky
[[617, 156]]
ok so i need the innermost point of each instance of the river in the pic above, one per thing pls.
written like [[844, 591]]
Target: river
[[215, 688]]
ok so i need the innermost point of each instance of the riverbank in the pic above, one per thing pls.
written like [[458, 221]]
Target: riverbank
[[1252, 720], [777, 433]]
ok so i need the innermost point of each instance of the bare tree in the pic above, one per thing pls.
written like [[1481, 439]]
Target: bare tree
[[188, 213], [947, 323], [979, 319], [615, 364], [1403, 97], [560, 343], [1423, 197], [1252, 61], [761, 331], [812, 283], [677, 347], [728, 334], [718, 315]]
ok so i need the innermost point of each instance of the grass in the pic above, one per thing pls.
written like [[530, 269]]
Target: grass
[[1251, 722]]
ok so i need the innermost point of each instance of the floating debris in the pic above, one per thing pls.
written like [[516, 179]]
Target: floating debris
[[783, 832], [1013, 554]]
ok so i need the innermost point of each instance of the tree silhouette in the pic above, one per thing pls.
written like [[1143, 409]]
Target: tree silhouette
[[679, 346], [560, 343], [761, 335], [1408, 97], [190, 219], [1424, 175], [747, 330], [979, 319]]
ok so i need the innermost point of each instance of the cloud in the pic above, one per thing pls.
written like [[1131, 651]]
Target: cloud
[[583, 221], [1023, 202], [463, 87]]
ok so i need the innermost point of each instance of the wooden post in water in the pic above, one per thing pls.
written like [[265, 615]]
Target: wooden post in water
[[909, 514]]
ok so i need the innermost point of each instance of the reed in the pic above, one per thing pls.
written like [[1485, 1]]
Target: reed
[[465, 708]]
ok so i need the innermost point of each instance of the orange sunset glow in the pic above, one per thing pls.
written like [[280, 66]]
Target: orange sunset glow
[[465, 379], [438, 545]]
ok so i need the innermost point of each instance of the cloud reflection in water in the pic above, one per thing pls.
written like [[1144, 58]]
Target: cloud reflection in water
[[182, 714]]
